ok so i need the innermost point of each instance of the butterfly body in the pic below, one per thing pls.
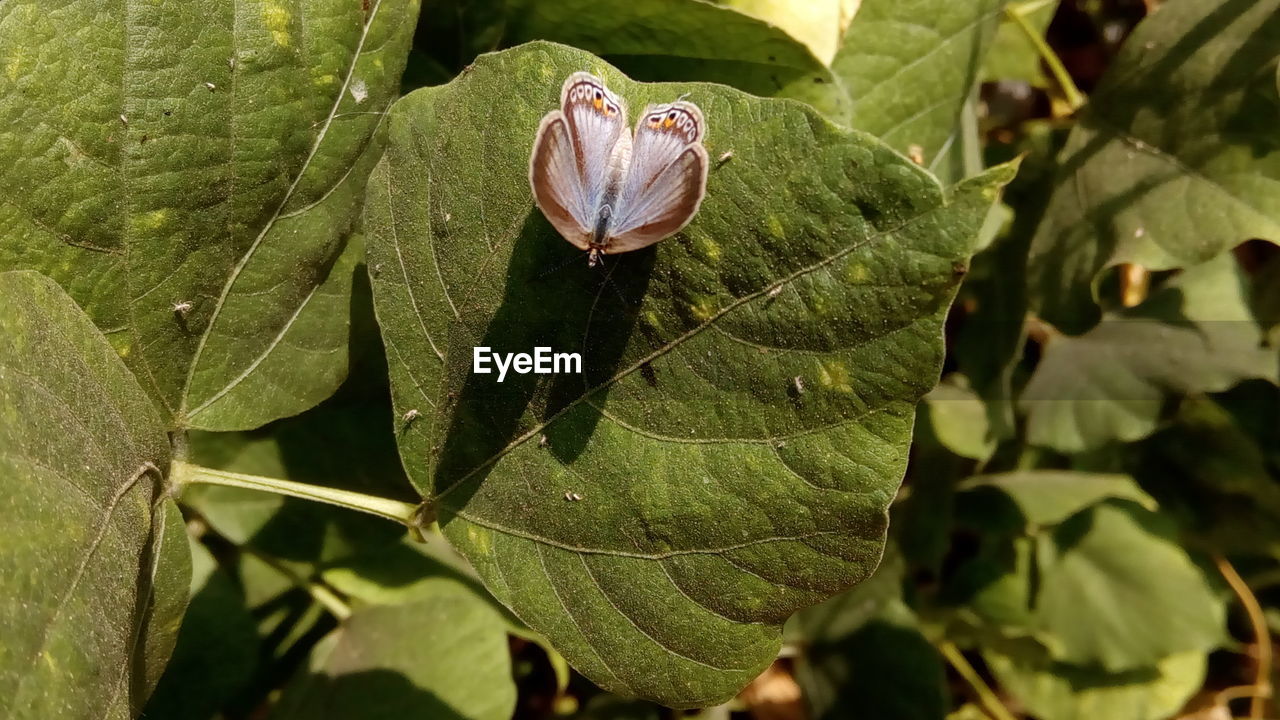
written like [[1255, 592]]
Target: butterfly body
[[606, 189]]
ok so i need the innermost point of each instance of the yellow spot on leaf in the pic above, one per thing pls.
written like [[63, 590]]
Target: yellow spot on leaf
[[704, 309], [326, 80], [277, 20], [707, 247], [148, 222], [857, 273], [834, 375], [775, 227], [13, 65], [480, 538]]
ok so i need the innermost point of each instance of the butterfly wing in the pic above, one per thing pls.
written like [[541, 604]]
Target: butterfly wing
[[667, 178], [579, 152]]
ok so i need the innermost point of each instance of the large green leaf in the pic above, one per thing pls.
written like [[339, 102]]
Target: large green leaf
[[1056, 691], [684, 40], [1116, 595], [1176, 159], [1093, 577], [1048, 497], [443, 655], [909, 65], [748, 387], [1196, 334], [190, 173], [94, 559]]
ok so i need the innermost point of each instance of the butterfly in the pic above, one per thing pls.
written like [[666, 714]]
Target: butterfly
[[607, 190]]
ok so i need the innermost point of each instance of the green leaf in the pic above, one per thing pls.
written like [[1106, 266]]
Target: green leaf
[[959, 419], [1013, 56], [442, 656], [816, 23], [1048, 497], [1208, 471], [405, 572], [95, 560], [886, 669], [1194, 335], [217, 650], [1176, 158], [719, 495], [909, 66], [686, 40], [194, 187], [1117, 595], [1056, 691], [843, 614]]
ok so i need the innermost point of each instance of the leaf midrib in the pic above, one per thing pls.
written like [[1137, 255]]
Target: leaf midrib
[[183, 413]]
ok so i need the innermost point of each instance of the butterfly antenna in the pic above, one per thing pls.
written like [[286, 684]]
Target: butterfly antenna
[[561, 266], [608, 280]]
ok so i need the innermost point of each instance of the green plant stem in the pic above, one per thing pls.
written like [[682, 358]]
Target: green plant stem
[[971, 676], [1074, 97], [406, 514], [319, 592], [1258, 622]]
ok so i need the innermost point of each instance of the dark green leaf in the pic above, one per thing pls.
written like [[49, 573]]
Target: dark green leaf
[[720, 493], [194, 186], [217, 647], [94, 560], [885, 670], [1176, 158], [1215, 478]]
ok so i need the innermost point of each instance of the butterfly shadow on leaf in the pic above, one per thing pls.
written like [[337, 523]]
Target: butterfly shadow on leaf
[[551, 299]]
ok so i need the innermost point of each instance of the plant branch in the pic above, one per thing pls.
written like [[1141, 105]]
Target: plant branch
[[1258, 623], [319, 592], [1074, 97], [406, 514], [971, 676]]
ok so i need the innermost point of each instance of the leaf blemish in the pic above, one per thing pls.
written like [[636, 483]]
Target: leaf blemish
[[277, 21], [835, 376]]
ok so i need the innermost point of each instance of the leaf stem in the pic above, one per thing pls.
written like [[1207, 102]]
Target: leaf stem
[[318, 591], [1258, 623], [406, 514], [1075, 98], [971, 676]]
